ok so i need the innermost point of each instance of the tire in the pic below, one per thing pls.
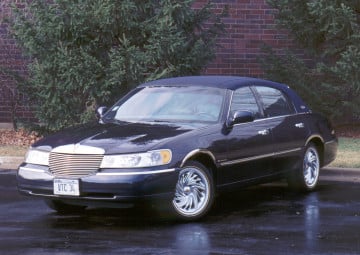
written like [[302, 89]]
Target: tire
[[306, 177], [194, 192], [63, 208]]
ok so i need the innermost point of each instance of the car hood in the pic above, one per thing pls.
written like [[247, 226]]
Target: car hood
[[115, 138]]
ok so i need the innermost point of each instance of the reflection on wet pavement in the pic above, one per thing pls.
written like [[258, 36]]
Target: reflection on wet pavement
[[266, 219]]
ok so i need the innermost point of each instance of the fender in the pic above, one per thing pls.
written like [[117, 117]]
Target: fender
[[196, 152]]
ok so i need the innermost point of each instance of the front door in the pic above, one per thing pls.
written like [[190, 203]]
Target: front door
[[248, 146]]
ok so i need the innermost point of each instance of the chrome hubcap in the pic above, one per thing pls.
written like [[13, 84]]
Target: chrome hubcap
[[187, 190], [192, 192], [311, 167]]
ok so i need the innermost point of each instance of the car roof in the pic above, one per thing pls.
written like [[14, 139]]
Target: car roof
[[225, 82]]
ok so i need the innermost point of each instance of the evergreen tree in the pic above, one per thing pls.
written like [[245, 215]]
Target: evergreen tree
[[329, 32], [89, 52]]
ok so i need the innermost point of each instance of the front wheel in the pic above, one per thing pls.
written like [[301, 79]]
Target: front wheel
[[194, 192], [307, 176]]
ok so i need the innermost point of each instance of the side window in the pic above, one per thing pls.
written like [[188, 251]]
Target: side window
[[243, 100], [274, 102]]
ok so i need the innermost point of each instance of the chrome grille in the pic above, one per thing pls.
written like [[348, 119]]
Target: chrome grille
[[74, 165]]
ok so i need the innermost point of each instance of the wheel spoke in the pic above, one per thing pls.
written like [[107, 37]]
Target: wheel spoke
[[194, 201], [181, 201]]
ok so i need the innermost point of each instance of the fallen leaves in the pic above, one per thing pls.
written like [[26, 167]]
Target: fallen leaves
[[20, 137], [351, 131]]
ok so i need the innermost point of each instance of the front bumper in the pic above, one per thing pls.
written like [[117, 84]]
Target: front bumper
[[113, 187]]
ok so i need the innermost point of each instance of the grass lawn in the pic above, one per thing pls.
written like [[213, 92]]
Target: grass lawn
[[13, 150], [348, 153]]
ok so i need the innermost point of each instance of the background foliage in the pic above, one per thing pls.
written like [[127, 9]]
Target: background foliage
[[89, 52], [329, 33]]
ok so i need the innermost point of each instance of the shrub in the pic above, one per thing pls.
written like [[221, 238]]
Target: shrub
[[329, 32], [86, 53]]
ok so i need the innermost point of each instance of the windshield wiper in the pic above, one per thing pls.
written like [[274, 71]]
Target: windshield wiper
[[161, 121], [114, 121]]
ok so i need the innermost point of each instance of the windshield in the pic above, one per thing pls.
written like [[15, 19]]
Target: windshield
[[170, 104]]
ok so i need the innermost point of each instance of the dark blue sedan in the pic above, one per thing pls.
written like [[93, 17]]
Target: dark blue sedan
[[180, 141]]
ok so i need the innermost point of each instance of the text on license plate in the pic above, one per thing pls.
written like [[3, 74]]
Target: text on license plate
[[66, 187]]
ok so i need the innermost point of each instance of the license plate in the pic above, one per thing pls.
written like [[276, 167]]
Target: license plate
[[66, 187]]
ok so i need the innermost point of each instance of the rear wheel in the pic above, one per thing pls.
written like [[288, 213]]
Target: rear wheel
[[307, 176], [194, 192], [63, 208]]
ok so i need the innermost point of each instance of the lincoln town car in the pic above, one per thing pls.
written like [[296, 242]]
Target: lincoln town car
[[177, 142]]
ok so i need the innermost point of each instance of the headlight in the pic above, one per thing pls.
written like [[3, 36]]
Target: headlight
[[146, 159], [38, 157]]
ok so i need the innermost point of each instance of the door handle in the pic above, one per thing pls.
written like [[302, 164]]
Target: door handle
[[264, 132], [299, 125]]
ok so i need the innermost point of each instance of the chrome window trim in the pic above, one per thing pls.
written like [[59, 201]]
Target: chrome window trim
[[230, 102], [272, 118], [296, 112], [282, 116]]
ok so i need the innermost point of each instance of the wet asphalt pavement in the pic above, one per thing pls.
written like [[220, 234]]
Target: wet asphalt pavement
[[266, 219]]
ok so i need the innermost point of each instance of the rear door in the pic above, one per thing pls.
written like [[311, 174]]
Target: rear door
[[288, 128]]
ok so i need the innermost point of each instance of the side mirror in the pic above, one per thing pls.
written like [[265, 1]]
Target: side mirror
[[101, 111], [238, 117]]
